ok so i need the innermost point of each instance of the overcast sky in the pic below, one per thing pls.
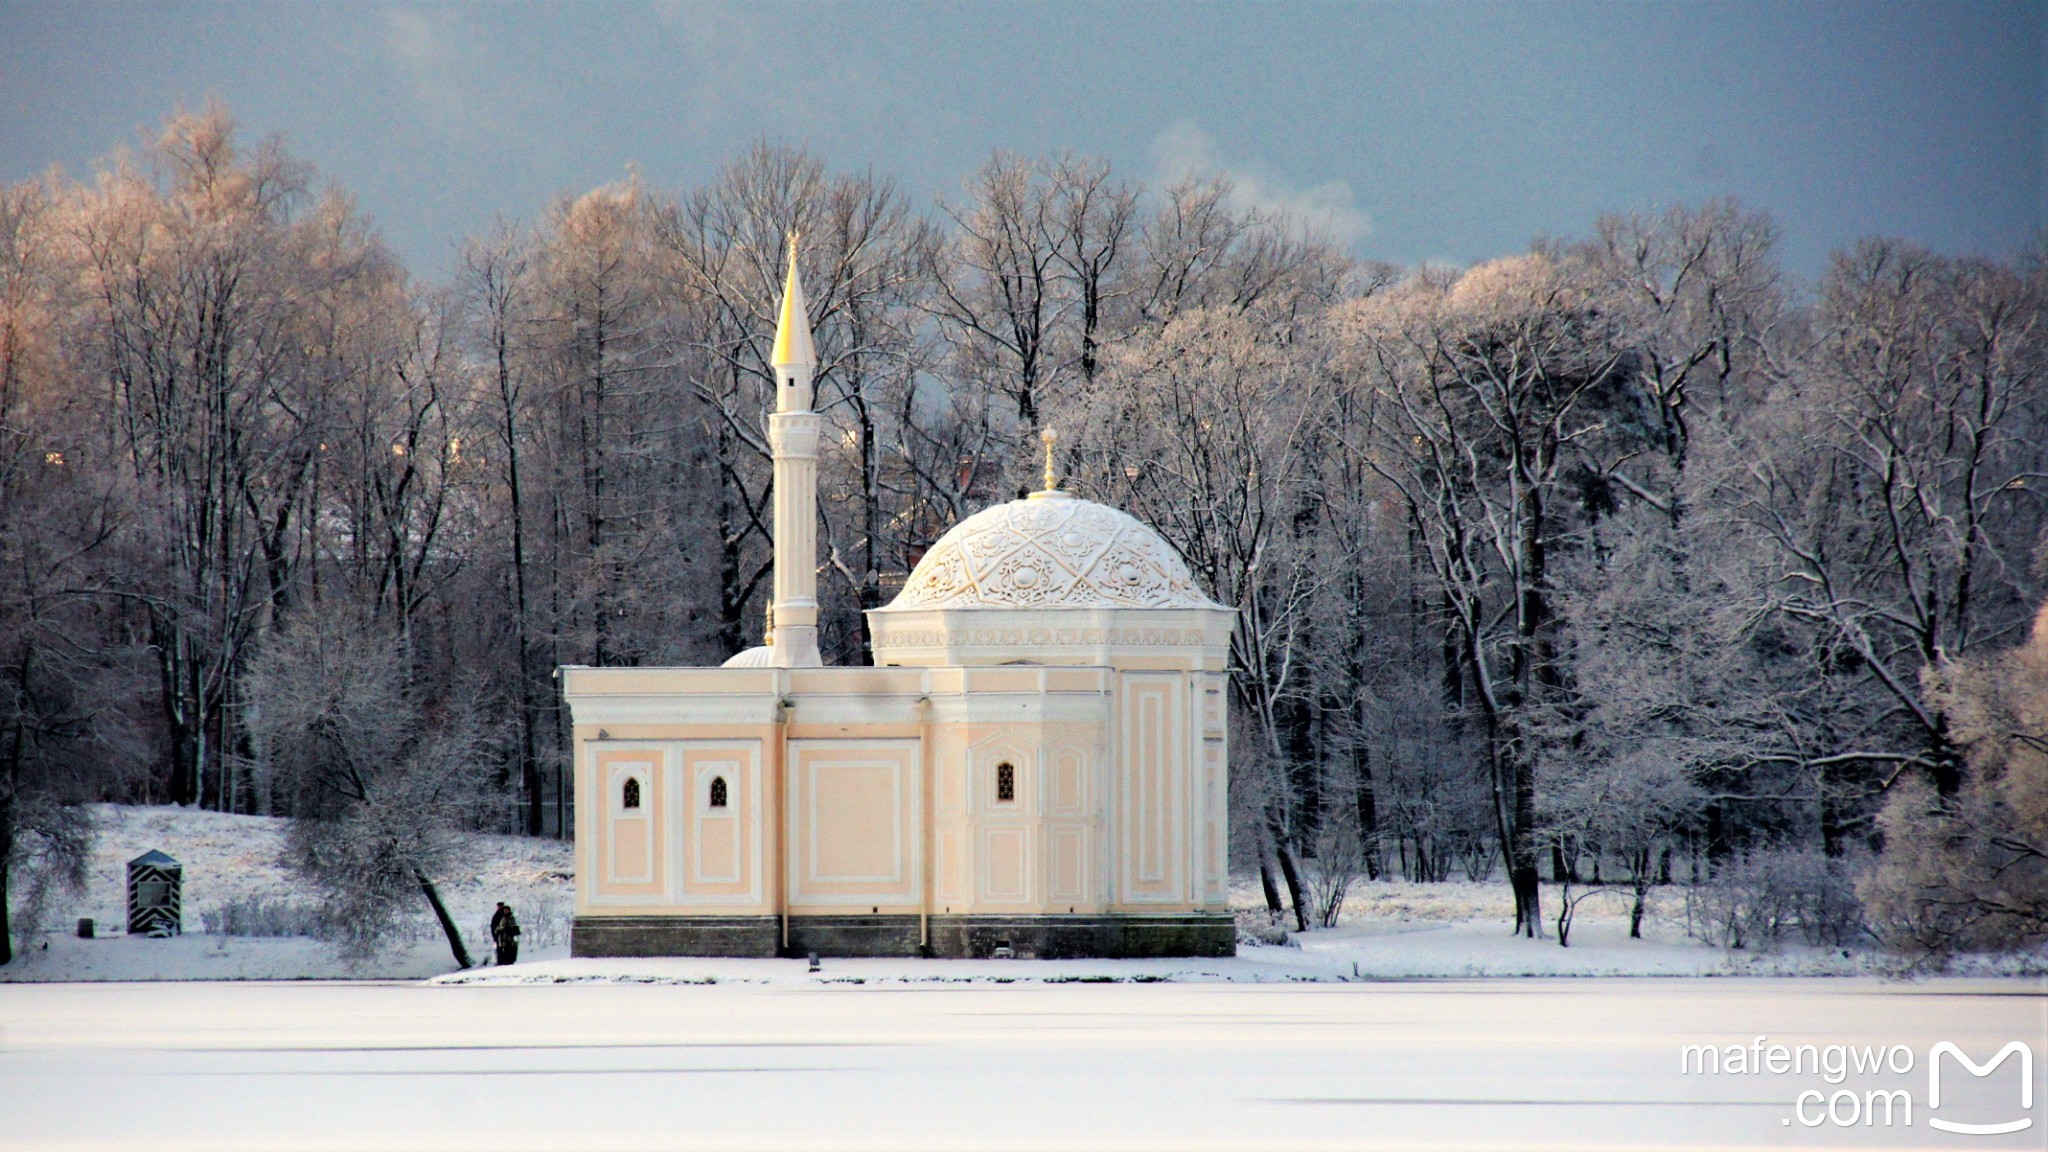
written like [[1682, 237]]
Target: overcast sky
[[1414, 132]]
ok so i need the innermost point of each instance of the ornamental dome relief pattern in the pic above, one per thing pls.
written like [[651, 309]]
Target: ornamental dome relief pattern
[[1051, 551]]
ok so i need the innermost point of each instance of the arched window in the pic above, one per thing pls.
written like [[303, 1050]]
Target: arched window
[[630, 796], [718, 791], [1006, 783]]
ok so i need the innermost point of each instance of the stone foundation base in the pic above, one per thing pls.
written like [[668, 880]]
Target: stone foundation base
[[951, 937], [675, 936], [1080, 937]]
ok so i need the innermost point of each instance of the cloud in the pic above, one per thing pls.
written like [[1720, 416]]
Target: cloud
[[423, 47], [413, 37], [1331, 208]]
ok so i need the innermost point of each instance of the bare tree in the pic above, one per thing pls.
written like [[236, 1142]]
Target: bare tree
[[1337, 846], [1198, 251], [1891, 481], [1621, 808], [996, 282], [1699, 292], [497, 286], [1094, 223]]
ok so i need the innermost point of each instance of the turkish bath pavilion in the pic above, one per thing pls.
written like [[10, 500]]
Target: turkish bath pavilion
[[1037, 761]]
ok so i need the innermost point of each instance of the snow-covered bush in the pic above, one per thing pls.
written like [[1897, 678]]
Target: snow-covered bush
[[46, 858], [1766, 897], [260, 916], [1969, 871], [1259, 929]]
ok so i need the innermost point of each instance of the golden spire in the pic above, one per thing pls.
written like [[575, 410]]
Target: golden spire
[[1047, 436], [768, 624], [793, 348]]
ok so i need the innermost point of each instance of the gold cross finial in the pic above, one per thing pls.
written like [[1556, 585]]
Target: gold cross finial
[[1047, 436]]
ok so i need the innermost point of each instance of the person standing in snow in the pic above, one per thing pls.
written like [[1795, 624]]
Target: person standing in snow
[[505, 933]]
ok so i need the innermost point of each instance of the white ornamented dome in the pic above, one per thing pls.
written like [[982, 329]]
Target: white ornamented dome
[[1052, 580], [1050, 551]]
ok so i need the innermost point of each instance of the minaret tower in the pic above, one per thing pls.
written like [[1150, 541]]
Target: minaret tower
[[793, 436]]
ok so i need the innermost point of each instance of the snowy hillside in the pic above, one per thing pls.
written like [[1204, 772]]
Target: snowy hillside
[[233, 860]]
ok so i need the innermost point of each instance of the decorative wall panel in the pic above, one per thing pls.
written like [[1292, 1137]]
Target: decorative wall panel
[[1151, 800], [854, 822]]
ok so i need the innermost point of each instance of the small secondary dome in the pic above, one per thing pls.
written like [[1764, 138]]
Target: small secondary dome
[[1051, 550], [759, 656]]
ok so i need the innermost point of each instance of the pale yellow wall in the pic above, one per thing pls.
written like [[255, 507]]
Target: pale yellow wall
[[1039, 852], [838, 791]]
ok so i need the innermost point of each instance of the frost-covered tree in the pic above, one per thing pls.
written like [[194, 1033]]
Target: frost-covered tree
[[1621, 806], [69, 718], [386, 777], [1487, 394], [210, 301]]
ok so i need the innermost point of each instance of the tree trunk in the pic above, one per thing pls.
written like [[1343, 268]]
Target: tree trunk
[[1635, 913], [1272, 890], [447, 921], [1719, 844], [1528, 910], [6, 851], [561, 803], [732, 585], [870, 592], [1368, 814], [1290, 870], [1528, 894], [529, 765]]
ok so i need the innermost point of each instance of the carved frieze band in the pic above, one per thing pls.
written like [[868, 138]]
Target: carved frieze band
[[1043, 637]]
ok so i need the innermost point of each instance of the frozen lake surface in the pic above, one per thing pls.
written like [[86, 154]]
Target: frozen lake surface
[[1523, 1063]]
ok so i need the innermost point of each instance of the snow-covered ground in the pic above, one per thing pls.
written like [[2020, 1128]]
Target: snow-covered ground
[[1553, 1064], [1319, 1043], [1389, 930], [1355, 952]]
